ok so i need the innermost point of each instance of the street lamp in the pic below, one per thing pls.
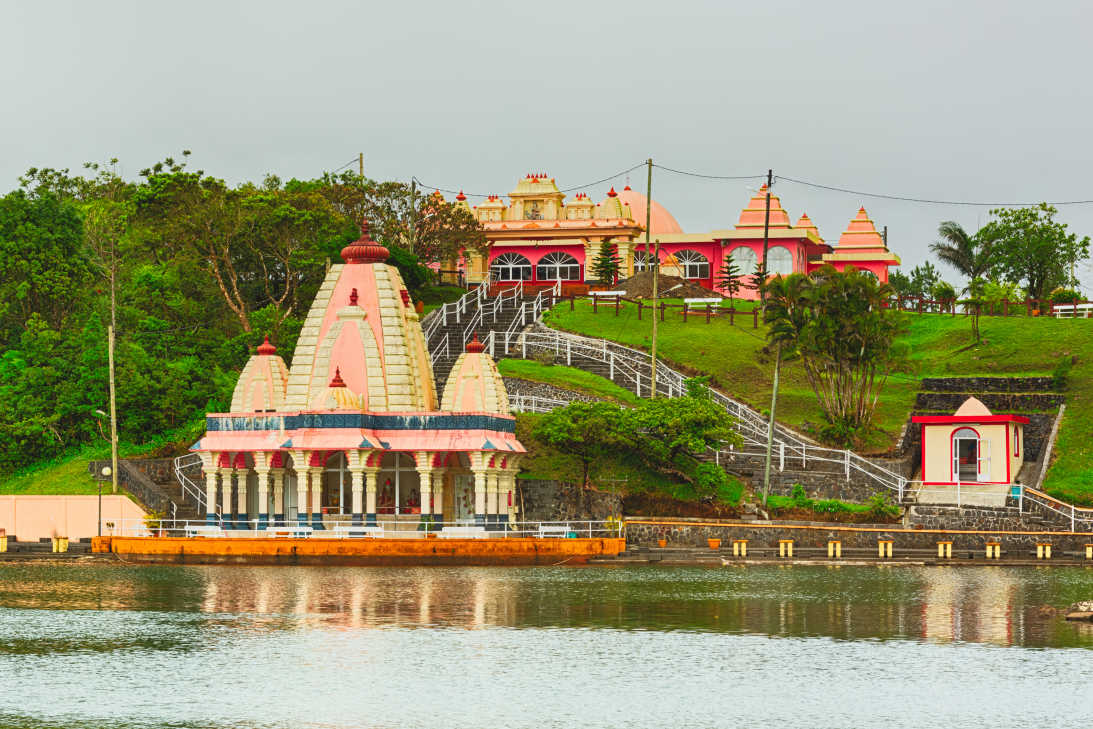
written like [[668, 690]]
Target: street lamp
[[106, 472]]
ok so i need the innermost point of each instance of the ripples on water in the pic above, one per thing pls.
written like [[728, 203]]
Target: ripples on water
[[548, 647]]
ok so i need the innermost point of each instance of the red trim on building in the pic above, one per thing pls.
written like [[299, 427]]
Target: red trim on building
[[970, 420]]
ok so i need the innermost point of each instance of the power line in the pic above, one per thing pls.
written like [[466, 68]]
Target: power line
[[707, 177], [926, 201], [350, 162]]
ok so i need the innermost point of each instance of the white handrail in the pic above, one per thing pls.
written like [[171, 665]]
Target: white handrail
[[189, 488], [435, 351]]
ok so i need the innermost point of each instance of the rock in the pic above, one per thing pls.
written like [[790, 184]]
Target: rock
[[1081, 611]]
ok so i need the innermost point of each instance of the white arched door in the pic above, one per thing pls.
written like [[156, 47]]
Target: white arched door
[[971, 456]]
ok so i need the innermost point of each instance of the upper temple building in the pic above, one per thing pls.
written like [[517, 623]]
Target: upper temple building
[[539, 237]]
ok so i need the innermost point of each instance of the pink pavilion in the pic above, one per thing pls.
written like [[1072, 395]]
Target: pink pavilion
[[354, 432]]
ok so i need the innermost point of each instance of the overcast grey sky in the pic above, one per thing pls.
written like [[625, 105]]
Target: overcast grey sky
[[984, 101]]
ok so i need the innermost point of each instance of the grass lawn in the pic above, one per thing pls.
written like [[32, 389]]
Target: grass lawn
[[736, 360], [569, 378], [65, 475]]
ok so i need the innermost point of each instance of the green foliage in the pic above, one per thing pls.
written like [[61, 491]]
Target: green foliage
[[607, 264], [923, 278], [730, 278], [838, 326], [1063, 295], [995, 292], [878, 507], [1031, 248], [971, 255], [588, 430], [569, 378], [1060, 375], [414, 274], [943, 291]]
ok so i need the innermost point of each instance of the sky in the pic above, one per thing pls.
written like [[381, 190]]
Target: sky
[[957, 101]]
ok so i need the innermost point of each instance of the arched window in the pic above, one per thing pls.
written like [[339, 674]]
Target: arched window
[[971, 456], [693, 264], [558, 266], [779, 261], [511, 267], [745, 259], [642, 261]]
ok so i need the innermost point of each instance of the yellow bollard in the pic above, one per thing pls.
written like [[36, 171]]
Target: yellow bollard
[[1088, 551], [785, 547], [884, 548], [945, 550], [1043, 550], [3, 540], [994, 550], [834, 549], [740, 547]]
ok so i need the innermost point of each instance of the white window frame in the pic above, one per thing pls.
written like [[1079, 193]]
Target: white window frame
[[505, 265], [553, 265], [786, 263], [692, 264]]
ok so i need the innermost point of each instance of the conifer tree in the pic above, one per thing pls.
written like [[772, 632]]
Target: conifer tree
[[729, 279], [607, 264]]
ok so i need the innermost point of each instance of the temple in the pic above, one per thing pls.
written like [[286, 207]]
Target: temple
[[538, 238], [354, 431]]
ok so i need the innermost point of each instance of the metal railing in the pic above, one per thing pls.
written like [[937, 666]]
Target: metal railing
[[520, 403], [631, 368], [440, 350], [1081, 518], [184, 466], [456, 310], [344, 529]]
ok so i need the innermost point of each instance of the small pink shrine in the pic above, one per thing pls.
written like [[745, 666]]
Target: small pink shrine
[[354, 430]]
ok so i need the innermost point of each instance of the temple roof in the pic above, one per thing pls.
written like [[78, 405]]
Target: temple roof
[[972, 407], [261, 385], [754, 214], [861, 242], [475, 385], [661, 221]]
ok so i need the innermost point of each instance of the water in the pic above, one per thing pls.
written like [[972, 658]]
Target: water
[[119, 646]]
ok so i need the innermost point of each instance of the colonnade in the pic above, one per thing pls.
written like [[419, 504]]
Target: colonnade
[[227, 475]]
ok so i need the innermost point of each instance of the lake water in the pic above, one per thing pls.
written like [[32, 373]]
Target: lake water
[[784, 646]]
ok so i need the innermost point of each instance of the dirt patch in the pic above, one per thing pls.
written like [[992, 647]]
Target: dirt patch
[[656, 505], [640, 286]]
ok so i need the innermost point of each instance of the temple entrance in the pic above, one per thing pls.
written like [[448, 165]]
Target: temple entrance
[[288, 496], [398, 488], [337, 485], [971, 456], [463, 497]]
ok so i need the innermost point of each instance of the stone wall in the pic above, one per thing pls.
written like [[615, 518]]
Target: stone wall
[[820, 479], [987, 384], [543, 500], [997, 402], [976, 518], [694, 533], [514, 385]]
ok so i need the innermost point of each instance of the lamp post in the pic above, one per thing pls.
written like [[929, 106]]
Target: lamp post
[[106, 472]]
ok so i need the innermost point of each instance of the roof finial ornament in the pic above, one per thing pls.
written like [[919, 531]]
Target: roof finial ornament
[[337, 381], [474, 346], [265, 348], [364, 249], [353, 297]]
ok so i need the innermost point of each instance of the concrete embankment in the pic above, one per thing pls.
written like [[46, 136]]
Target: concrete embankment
[[359, 552], [688, 540]]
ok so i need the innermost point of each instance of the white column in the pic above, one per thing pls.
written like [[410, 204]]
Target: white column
[[506, 497], [370, 477], [210, 496], [241, 496], [480, 497], [316, 497], [263, 497], [357, 474], [438, 495], [226, 496], [301, 494], [425, 479], [278, 494], [491, 500]]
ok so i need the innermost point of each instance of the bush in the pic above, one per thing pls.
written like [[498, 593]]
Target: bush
[[943, 291], [879, 506], [1065, 296], [543, 356], [1061, 374]]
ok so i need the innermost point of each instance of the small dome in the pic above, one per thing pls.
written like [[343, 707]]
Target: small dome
[[262, 383], [475, 385], [661, 221], [972, 408], [364, 249]]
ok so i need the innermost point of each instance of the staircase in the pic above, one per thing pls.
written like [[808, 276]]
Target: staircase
[[154, 485]]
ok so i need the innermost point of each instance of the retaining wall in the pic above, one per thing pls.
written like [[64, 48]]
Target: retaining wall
[[544, 500]]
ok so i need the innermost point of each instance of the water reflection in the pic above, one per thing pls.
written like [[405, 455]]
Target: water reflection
[[995, 605]]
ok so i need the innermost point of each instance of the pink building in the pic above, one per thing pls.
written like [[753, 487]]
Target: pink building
[[538, 238]]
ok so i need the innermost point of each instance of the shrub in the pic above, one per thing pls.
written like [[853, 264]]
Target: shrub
[[1061, 374], [1065, 296], [543, 356], [943, 291], [879, 505]]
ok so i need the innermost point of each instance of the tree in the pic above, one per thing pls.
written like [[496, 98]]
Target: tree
[[923, 278], [974, 303], [42, 265], [607, 264], [836, 322], [756, 279], [587, 430], [1033, 249], [729, 279], [430, 227], [674, 431], [971, 255], [944, 293]]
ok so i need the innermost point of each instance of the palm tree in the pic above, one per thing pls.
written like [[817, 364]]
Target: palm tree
[[968, 254]]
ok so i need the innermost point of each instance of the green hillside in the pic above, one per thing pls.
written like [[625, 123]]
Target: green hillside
[[735, 359]]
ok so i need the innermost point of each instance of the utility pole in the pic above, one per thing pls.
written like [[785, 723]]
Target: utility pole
[[655, 263], [413, 213], [766, 242], [770, 424], [361, 164], [885, 236], [110, 362]]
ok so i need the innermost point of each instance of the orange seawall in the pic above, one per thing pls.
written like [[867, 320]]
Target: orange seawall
[[364, 552]]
